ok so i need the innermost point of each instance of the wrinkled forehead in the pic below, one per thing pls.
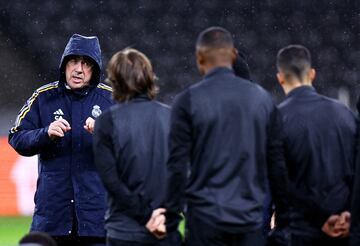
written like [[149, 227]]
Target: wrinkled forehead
[[86, 59]]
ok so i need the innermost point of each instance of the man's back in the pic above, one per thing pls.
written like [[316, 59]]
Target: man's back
[[228, 121], [320, 145]]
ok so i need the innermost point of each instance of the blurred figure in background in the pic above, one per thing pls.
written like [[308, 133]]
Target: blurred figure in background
[[37, 239], [217, 128], [242, 70], [241, 67], [56, 124], [131, 150], [355, 206], [319, 140]]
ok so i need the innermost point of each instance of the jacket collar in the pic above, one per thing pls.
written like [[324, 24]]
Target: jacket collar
[[78, 92], [140, 98], [217, 71], [301, 91]]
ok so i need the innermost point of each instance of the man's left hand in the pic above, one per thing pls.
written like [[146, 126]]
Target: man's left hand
[[156, 224], [89, 125]]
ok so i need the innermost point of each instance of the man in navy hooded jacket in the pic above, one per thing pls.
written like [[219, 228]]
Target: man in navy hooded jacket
[[56, 124]]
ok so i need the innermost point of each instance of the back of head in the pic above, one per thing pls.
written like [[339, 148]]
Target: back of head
[[214, 38], [130, 73], [294, 61], [215, 46], [37, 239]]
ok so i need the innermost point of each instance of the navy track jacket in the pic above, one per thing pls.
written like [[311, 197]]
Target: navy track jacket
[[355, 205], [227, 131], [130, 146], [320, 135], [68, 186]]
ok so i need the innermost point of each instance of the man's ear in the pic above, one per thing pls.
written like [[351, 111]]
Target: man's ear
[[281, 78], [200, 58], [312, 74], [200, 62], [234, 55]]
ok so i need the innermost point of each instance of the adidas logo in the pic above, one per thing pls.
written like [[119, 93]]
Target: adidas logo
[[58, 114]]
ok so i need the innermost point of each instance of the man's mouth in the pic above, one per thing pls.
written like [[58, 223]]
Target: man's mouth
[[77, 78]]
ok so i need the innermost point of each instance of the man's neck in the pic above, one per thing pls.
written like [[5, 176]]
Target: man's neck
[[210, 67], [288, 87]]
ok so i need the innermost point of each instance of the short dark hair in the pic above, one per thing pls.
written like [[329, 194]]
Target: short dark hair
[[130, 73], [215, 38], [38, 238], [293, 60]]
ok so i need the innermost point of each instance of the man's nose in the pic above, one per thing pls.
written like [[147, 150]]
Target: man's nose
[[79, 67]]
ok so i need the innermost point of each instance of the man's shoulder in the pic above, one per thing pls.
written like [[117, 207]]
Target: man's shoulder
[[47, 87], [105, 91], [44, 91], [337, 105], [104, 88]]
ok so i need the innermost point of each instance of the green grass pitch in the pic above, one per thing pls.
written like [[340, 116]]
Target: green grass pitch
[[12, 229]]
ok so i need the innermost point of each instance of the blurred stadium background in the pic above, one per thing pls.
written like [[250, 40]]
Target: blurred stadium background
[[33, 35]]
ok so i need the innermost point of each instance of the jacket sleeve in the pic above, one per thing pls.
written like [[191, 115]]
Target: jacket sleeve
[[277, 171], [28, 137], [355, 202], [106, 164], [179, 158], [355, 207]]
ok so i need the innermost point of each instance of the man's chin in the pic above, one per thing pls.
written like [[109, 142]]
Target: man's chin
[[75, 86]]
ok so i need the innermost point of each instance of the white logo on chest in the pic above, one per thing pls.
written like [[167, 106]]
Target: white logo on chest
[[58, 114], [96, 111]]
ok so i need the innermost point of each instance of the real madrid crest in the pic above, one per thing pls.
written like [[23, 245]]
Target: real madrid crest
[[96, 111]]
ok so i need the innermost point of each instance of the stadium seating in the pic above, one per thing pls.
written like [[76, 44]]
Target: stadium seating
[[166, 32]]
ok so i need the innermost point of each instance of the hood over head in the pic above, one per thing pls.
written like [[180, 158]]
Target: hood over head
[[79, 45]]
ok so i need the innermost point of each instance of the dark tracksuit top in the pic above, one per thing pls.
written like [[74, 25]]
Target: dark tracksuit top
[[69, 191], [227, 131], [320, 136], [355, 206], [130, 147]]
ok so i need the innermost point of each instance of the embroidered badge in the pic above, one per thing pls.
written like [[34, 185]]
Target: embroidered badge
[[96, 111]]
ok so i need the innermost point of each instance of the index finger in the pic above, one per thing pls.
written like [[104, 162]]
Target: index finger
[[66, 123], [160, 211]]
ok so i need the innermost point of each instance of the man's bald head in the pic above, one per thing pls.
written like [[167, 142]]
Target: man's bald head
[[214, 48]]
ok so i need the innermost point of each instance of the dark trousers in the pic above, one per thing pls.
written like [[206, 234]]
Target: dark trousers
[[75, 240], [172, 239], [199, 233], [79, 241], [309, 241], [286, 238]]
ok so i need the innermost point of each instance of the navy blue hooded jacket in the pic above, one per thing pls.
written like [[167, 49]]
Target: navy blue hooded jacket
[[227, 131], [320, 135], [68, 183]]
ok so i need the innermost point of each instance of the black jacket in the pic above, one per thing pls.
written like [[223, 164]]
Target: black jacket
[[130, 149], [227, 130], [355, 206], [320, 138]]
